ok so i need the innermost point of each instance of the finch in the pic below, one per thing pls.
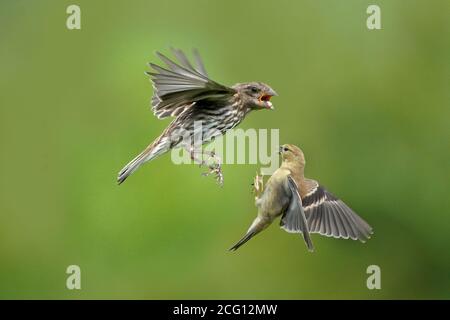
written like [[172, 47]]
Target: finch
[[186, 93], [304, 205]]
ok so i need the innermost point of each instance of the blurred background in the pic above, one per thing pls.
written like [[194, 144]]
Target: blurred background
[[370, 109]]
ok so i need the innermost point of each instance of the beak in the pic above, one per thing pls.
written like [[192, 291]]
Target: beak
[[265, 97], [272, 92], [280, 149]]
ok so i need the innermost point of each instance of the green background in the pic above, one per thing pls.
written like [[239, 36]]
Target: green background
[[371, 110]]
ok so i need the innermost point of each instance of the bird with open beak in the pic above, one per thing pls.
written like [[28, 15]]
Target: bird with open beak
[[304, 205], [185, 92]]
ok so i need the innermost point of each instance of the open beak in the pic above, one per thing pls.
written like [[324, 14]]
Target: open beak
[[265, 98]]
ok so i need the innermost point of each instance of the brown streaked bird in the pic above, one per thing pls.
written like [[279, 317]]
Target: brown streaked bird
[[304, 205], [186, 92]]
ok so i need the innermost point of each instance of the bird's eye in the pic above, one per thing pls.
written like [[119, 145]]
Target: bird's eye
[[285, 149], [254, 89]]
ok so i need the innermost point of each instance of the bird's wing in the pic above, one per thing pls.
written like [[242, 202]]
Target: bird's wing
[[331, 217], [293, 219], [181, 85]]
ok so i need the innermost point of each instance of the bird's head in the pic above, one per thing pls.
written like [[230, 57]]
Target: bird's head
[[291, 153], [256, 95]]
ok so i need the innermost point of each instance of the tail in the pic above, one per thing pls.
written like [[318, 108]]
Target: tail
[[257, 226], [157, 148], [247, 237]]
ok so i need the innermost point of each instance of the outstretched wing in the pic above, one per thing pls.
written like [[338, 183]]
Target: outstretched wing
[[331, 217], [293, 219], [180, 86]]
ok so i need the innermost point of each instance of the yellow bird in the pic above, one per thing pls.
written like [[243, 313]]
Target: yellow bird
[[304, 205]]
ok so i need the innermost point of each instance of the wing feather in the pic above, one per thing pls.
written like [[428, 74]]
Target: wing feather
[[331, 217], [293, 219], [180, 86], [200, 65]]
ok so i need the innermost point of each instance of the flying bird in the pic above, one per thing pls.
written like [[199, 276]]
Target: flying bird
[[304, 205], [185, 92]]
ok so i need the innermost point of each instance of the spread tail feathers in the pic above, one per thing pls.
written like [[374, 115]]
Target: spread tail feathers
[[160, 146]]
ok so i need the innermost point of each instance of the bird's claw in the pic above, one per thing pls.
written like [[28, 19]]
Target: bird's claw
[[215, 168], [258, 185]]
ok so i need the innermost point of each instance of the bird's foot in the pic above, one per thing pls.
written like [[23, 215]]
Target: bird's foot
[[258, 185], [215, 168], [213, 162]]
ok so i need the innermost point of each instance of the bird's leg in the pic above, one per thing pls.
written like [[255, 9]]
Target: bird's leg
[[258, 185], [200, 161], [214, 168]]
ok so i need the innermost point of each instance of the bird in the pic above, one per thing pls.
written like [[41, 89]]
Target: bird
[[305, 206], [185, 92]]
